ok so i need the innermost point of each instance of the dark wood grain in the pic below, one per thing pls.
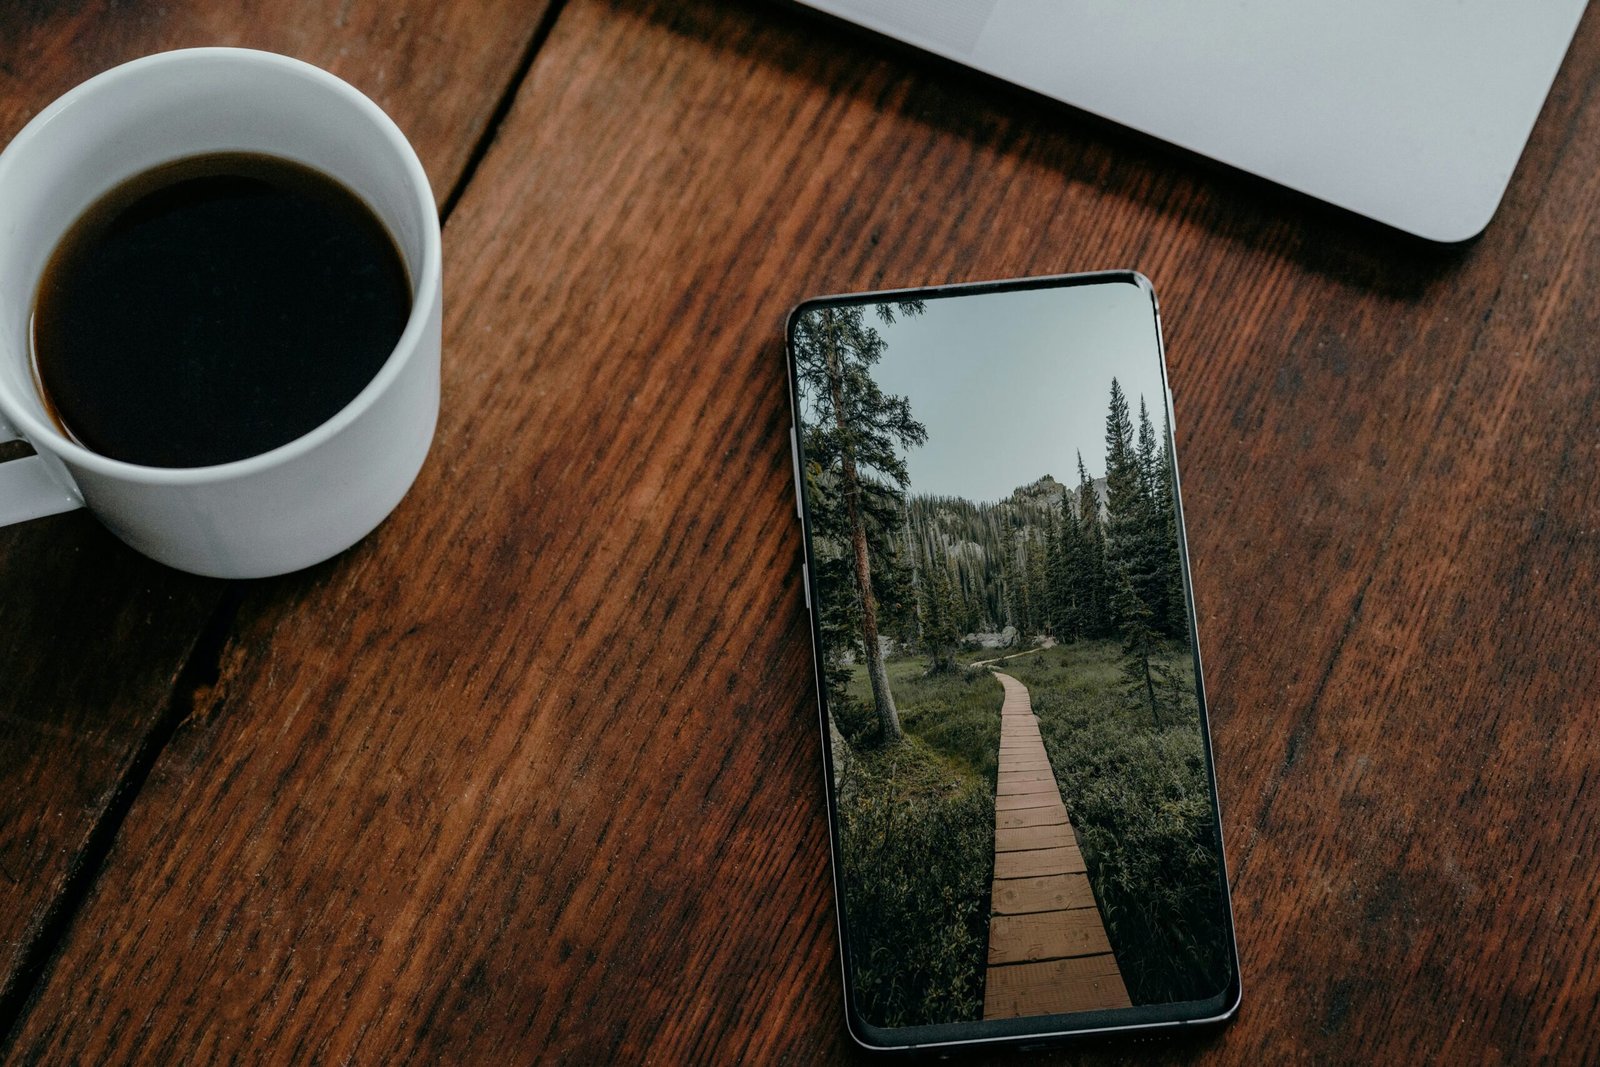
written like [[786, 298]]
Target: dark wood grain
[[533, 770], [95, 641], [439, 70]]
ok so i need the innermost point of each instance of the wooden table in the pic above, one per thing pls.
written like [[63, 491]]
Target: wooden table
[[533, 770]]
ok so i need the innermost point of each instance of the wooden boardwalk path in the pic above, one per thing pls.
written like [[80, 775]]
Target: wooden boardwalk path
[[1048, 951]]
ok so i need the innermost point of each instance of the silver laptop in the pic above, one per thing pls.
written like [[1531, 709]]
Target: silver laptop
[[1411, 112]]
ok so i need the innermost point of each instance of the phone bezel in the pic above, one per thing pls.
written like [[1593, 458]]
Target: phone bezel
[[1177, 1016]]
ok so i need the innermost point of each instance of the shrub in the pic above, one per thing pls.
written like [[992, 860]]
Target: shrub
[[1139, 798], [918, 848]]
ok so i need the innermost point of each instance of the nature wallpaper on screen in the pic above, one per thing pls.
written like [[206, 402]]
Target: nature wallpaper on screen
[[1023, 803]]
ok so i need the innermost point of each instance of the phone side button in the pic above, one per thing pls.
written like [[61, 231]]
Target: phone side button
[[794, 454], [805, 583]]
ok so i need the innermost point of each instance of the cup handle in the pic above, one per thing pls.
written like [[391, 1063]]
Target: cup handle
[[27, 491]]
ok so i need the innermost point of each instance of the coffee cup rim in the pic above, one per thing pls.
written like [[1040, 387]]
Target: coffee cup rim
[[43, 434]]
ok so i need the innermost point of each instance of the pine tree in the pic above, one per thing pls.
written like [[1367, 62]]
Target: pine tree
[[1059, 621], [1092, 582], [1017, 566], [940, 632], [893, 577], [838, 608], [1149, 452], [1008, 579], [854, 420], [1140, 642], [1125, 513], [1147, 560], [1176, 623], [1038, 588], [966, 594], [1068, 582]]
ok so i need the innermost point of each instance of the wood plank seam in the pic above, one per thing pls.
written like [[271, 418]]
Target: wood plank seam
[[502, 108], [200, 670]]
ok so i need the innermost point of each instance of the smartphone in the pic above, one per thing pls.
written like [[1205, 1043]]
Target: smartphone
[[1023, 812]]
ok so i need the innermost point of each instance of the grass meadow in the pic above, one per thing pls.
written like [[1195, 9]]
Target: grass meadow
[[917, 829]]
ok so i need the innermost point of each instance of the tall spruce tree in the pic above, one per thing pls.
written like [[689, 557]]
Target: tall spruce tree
[[1059, 610], [1124, 488], [1176, 623], [838, 612], [1147, 562], [1140, 642], [1093, 584], [894, 578], [1014, 575], [1038, 588], [865, 428], [940, 616], [1071, 556], [1149, 452]]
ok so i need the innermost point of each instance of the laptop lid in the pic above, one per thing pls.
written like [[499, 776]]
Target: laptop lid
[[1411, 112]]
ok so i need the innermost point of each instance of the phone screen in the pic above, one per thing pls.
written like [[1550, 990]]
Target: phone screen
[[1024, 821]]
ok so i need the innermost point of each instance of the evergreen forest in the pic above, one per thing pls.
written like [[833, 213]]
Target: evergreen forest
[[1097, 559]]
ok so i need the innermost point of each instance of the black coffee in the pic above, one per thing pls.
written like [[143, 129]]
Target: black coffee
[[215, 308]]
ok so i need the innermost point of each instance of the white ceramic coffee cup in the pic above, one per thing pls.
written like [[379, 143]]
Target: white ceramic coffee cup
[[294, 505]]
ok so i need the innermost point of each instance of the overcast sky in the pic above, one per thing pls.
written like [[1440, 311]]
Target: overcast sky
[[1010, 386]]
